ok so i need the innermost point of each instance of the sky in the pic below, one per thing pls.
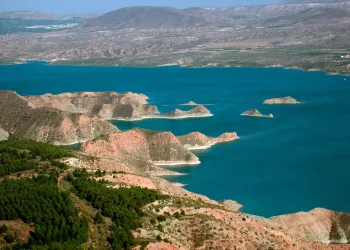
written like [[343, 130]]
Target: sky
[[103, 6]]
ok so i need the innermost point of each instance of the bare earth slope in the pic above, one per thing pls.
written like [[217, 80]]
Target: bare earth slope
[[105, 105], [318, 225], [304, 35], [23, 119], [151, 17], [111, 106], [160, 148]]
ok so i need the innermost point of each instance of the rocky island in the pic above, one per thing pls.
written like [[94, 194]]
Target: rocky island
[[282, 100], [196, 140], [256, 113], [190, 103], [199, 111]]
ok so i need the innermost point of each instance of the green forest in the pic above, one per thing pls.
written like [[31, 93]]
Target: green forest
[[122, 205], [20, 155], [39, 201]]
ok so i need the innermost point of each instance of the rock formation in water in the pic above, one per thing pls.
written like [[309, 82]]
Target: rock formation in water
[[190, 103], [198, 140], [22, 118], [256, 113], [3, 135], [199, 111], [318, 225], [282, 100]]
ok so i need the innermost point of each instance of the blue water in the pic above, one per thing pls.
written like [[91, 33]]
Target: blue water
[[298, 161]]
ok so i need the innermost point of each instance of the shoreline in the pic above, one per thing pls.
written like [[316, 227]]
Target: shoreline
[[258, 116], [159, 117], [163, 174], [176, 163], [207, 146], [50, 63]]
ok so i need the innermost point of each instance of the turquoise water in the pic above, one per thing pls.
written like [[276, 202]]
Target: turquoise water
[[297, 161]]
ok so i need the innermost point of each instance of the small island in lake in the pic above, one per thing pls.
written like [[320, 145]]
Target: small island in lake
[[256, 113], [281, 100], [190, 103]]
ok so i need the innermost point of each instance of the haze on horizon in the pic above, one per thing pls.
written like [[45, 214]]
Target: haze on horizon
[[102, 6]]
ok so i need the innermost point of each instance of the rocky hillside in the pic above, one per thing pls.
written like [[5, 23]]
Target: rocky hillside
[[105, 105], [180, 220], [318, 225], [155, 147], [111, 106], [154, 18], [160, 148], [21, 118]]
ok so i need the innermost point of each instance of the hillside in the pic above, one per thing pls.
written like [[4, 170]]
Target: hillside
[[303, 34], [153, 18], [51, 198], [21, 118]]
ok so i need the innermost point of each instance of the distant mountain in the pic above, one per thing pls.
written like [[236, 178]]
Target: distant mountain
[[311, 16], [154, 17]]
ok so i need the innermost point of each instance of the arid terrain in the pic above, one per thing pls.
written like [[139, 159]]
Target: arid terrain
[[132, 159], [307, 35], [110, 194]]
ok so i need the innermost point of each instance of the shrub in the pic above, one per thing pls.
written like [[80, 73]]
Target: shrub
[[161, 218], [3, 229]]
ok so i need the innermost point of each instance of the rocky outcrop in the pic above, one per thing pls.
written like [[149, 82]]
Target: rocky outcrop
[[231, 205], [159, 148], [22, 118], [3, 135], [199, 111], [256, 113], [196, 140], [105, 105], [282, 100], [318, 225], [190, 103]]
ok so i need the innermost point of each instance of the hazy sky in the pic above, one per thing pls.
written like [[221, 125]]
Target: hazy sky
[[101, 6]]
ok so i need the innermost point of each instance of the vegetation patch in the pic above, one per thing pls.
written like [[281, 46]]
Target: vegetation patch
[[18, 155], [122, 205], [38, 201]]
